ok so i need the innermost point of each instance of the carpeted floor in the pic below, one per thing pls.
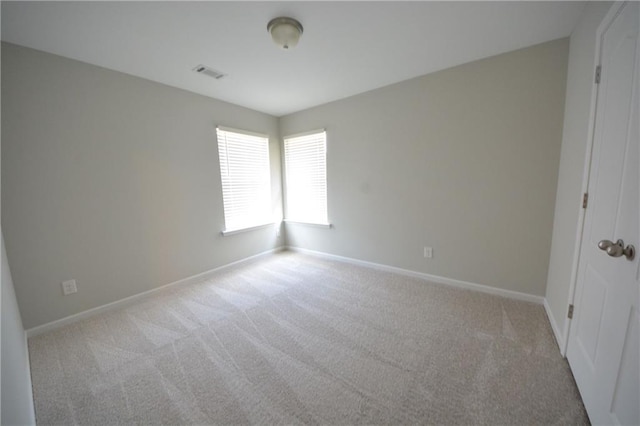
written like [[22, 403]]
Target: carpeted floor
[[292, 339]]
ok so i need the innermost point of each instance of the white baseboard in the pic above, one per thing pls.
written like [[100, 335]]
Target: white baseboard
[[554, 326], [119, 304], [428, 277], [30, 402]]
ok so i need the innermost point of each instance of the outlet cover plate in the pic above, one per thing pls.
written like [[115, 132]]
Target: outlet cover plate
[[428, 252], [69, 287]]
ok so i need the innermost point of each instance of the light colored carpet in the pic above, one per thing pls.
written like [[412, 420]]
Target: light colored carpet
[[293, 339]]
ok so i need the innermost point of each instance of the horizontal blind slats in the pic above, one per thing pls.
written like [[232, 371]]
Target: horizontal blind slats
[[306, 178], [245, 176]]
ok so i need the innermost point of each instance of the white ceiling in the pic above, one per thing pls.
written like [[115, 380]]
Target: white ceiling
[[347, 47]]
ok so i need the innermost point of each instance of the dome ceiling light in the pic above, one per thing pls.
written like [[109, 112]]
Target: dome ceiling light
[[285, 32]]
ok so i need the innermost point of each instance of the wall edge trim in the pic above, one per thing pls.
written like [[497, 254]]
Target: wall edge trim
[[127, 301], [510, 294], [554, 327]]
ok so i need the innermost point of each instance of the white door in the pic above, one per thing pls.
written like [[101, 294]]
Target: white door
[[604, 339]]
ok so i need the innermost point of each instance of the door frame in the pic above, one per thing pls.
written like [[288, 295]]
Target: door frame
[[586, 174]]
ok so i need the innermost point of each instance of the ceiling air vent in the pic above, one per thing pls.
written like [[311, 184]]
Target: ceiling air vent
[[203, 69]]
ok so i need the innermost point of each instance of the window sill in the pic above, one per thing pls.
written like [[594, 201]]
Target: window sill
[[250, 228], [313, 224]]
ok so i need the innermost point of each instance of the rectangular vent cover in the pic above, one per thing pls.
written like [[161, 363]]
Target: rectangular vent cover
[[203, 69]]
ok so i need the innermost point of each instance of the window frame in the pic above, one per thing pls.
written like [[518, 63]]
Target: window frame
[[268, 203], [287, 193]]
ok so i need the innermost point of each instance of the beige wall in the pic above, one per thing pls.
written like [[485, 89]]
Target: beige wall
[[105, 177], [464, 160], [580, 86], [114, 181]]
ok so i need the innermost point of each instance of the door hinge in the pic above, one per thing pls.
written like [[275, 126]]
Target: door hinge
[[585, 200], [598, 72], [570, 313]]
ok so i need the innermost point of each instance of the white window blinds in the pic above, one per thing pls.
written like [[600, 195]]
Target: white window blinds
[[246, 187], [306, 178]]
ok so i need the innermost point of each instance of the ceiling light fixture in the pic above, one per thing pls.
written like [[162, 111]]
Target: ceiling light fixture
[[284, 31]]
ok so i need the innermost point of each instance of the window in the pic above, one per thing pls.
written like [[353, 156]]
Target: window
[[244, 170], [305, 158]]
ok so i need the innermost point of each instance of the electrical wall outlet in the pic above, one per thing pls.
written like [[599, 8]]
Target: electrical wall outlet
[[69, 287], [428, 252]]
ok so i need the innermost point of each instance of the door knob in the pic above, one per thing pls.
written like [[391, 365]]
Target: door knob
[[604, 244], [617, 249]]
